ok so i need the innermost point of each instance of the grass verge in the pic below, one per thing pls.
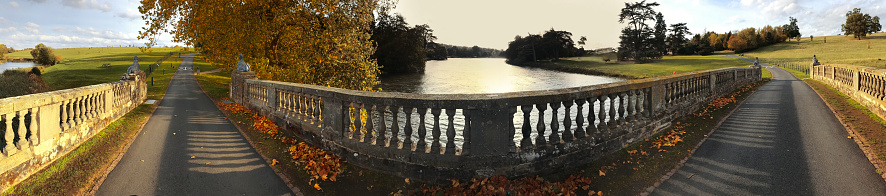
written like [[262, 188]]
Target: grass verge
[[868, 128], [77, 171], [628, 172], [838, 49], [666, 66]]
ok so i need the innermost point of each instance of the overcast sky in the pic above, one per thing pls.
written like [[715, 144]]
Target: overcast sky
[[486, 23]]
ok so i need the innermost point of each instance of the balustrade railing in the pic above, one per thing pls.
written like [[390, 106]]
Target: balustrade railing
[[865, 85], [443, 136]]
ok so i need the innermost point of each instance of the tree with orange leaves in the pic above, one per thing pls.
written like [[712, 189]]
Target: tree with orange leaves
[[320, 42]]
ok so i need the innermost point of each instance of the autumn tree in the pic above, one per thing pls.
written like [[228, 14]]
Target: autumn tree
[[3, 50], [637, 37], [44, 55], [860, 24], [313, 42], [744, 40]]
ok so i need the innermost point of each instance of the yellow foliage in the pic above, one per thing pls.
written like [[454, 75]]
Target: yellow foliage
[[320, 42]]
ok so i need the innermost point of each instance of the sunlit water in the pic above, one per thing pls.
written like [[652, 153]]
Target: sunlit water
[[485, 75], [15, 65]]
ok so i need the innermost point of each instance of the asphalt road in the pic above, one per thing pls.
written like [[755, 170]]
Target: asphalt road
[[782, 141], [188, 148]]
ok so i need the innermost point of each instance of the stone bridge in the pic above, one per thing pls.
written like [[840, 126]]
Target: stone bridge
[[440, 137]]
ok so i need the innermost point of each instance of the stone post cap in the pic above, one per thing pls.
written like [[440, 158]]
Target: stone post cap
[[242, 66]]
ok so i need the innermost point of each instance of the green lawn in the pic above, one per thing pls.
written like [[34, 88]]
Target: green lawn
[[82, 67], [666, 66], [839, 49]]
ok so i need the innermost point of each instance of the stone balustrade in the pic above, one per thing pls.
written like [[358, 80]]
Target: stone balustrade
[[436, 137], [36, 129], [866, 85]]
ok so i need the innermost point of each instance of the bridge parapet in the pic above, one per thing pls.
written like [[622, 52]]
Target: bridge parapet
[[866, 85], [437, 137], [36, 129]]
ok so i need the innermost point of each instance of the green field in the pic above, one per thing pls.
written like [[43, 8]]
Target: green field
[[839, 49], [666, 66]]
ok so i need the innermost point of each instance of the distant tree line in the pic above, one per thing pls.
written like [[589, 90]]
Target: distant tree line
[[551, 45], [400, 48], [642, 43], [471, 52], [4, 50]]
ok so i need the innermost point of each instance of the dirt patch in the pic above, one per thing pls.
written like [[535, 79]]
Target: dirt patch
[[867, 130]]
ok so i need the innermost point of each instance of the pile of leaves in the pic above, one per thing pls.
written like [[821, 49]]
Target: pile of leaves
[[318, 163], [500, 185]]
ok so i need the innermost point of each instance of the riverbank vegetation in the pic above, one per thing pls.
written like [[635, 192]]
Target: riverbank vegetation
[[20, 82]]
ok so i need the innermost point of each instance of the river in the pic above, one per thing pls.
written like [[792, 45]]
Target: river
[[485, 75], [15, 65]]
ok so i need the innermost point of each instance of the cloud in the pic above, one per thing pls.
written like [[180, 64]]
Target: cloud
[[105, 34], [13, 4], [65, 41], [129, 14], [87, 4], [735, 20], [8, 30], [39, 1], [3, 21], [32, 28]]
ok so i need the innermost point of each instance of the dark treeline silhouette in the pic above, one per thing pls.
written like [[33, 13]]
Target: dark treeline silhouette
[[400, 48], [552, 45]]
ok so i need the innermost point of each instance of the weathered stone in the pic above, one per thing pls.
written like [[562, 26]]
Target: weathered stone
[[624, 112]]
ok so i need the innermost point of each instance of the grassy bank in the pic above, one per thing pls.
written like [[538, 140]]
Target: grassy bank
[[666, 66], [838, 49], [83, 66], [20, 82], [78, 171]]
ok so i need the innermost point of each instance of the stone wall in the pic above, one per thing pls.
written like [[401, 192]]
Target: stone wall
[[37, 129], [434, 138], [865, 85]]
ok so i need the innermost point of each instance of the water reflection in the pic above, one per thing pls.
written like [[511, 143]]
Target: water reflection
[[15, 65], [488, 75], [484, 75]]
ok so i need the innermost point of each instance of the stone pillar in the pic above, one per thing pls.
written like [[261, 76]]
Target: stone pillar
[[489, 129], [856, 80], [238, 89], [333, 120]]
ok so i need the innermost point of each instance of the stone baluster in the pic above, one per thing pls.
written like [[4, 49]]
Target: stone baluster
[[76, 105], [526, 142], [435, 144], [631, 111], [319, 109], [309, 108], [358, 122], [370, 128], [612, 120], [591, 129], [579, 118], [602, 113], [63, 115], [407, 128], [422, 130], [554, 138], [466, 146], [87, 107], [382, 126], [35, 121], [94, 105], [395, 127], [22, 131], [9, 135], [301, 108], [621, 107], [540, 128], [450, 132], [567, 121]]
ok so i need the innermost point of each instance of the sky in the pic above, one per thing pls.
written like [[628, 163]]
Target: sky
[[485, 23]]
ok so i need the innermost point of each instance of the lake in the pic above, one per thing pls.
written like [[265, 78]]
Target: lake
[[486, 75], [15, 65]]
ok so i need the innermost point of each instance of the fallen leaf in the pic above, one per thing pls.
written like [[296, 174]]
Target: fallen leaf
[[274, 162], [173, 133], [599, 193], [317, 186], [207, 163], [193, 157], [850, 137], [407, 180], [143, 160], [602, 173]]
